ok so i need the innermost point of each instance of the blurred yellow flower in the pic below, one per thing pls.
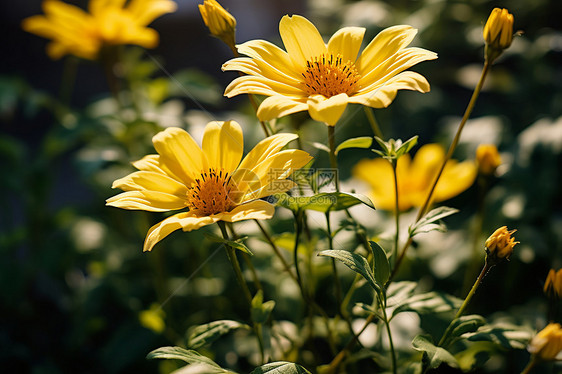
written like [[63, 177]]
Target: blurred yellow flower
[[210, 181], [109, 22], [324, 78], [220, 23], [553, 284], [547, 344], [498, 32], [153, 318], [500, 244], [488, 158], [415, 178]]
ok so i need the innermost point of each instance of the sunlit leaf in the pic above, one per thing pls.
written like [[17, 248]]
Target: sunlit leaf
[[178, 353], [428, 222], [280, 367], [433, 355], [206, 334], [360, 142], [507, 335], [260, 310], [236, 244], [431, 302], [382, 267], [323, 202], [355, 262]]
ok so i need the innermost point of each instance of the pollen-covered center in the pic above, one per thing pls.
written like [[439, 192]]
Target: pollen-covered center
[[328, 75], [212, 193]]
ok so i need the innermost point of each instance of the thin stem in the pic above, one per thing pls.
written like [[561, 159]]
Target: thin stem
[[373, 121], [387, 324], [269, 239], [396, 210], [483, 273], [235, 264], [333, 158], [532, 362], [247, 259], [296, 250], [453, 146]]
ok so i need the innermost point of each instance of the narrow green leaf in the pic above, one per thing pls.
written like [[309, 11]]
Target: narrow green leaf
[[382, 267], [355, 262], [466, 324], [323, 202], [206, 334], [427, 223], [398, 292], [431, 302], [360, 142], [178, 353], [433, 355], [280, 367], [320, 146], [261, 310], [236, 244], [506, 335]]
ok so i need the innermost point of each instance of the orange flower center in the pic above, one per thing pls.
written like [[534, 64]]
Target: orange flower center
[[328, 75], [211, 194]]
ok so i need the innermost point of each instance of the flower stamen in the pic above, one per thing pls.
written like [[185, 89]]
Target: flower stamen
[[212, 193], [329, 76]]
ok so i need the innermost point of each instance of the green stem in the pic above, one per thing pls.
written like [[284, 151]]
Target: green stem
[[269, 239], [231, 253], [333, 158], [296, 252], [382, 303], [532, 362], [453, 146], [373, 121], [483, 273], [396, 210]]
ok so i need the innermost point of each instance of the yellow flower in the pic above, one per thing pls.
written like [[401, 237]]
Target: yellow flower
[[210, 181], [415, 178], [221, 23], [322, 78], [500, 244], [553, 284], [109, 22], [488, 159], [498, 33], [547, 344], [153, 318]]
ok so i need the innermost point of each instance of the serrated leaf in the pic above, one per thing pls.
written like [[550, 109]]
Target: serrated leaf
[[355, 262], [433, 355], [431, 302], [178, 353], [323, 202], [280, 367], [427, 222], [382, 267], [359, 142], [206, 334], [236, 244]]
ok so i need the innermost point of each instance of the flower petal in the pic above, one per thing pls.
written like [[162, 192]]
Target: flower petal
[[151, 181], [180, 153], [456, 178], [266, 148], [99, 6], [258, 85], [186, 221], [146, 11], [223, 145], [329, 110], [301, 39], [279, 106], [152, 201], [379, 175], [383, 46], [257, 209], [347, 42]]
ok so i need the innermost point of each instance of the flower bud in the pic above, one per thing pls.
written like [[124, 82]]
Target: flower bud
[[221, 23], [488, 159], [500, 244], [547, 344], [553, 284], [498, 33]]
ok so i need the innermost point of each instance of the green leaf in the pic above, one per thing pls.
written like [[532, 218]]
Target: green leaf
[[475, 355], [431, 302], [355, 262], [427, 223], [398, 292], [465, 324], [236, 244], [323, 202], [320, 146], [206, 334], [261, 310], [393, 149], [382, 267], [360, 142], [178, 353], [280, 367], [506, 335], [433, 355]]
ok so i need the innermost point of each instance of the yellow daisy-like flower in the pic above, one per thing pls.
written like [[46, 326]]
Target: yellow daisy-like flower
[[547, 344], [109, 22], [210, 181], [324, 78], [415, 178]]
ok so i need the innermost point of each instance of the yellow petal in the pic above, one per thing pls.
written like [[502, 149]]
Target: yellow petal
[[456, 178], [151, 181], [99, 6], [257, 209], [180, 153], [270, 57], [279, 106], [260, 86], [347, 42], [186, 221], [329, 110], [266, 148], [223, 144], [151, 201], [143, 36], [301, 39], [383, 46], [379, 175], [146, 11]]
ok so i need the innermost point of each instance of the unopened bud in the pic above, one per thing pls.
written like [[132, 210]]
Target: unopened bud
[[500, 244], [221, 24], [498, 33], [488, 159], [547, 344]]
